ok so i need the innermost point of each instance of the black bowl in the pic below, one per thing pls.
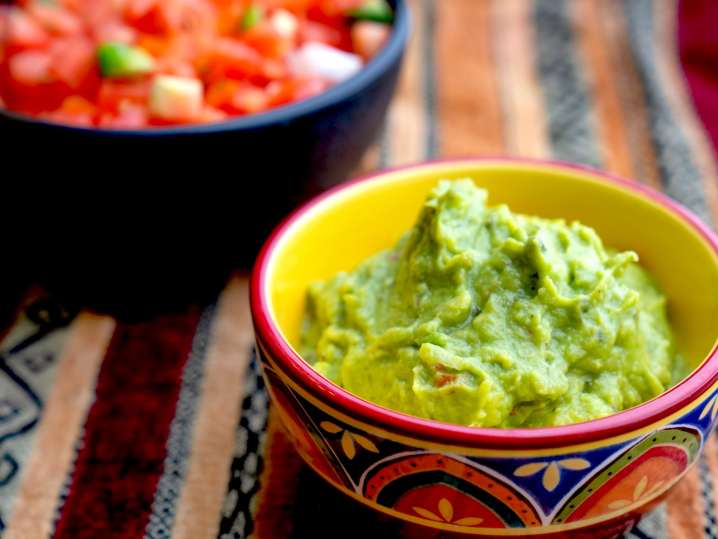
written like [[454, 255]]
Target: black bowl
[[121, 218]]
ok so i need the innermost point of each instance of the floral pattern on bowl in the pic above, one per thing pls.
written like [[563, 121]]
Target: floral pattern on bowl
[[534, 492]]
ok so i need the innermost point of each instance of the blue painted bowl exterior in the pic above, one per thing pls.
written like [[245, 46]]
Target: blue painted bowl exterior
[[597, 490]]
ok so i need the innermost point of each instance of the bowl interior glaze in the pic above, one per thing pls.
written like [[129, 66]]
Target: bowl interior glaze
[[347, 225]]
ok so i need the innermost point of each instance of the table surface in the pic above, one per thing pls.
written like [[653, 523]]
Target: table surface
[[129, 430]]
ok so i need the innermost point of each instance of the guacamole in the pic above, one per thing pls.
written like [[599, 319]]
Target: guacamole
[[483, 317]]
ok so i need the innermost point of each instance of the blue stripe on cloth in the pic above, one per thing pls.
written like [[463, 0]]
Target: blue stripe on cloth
[[707, 490], [566, 97], [246, 468], [653, 525], [29, 365], [179, 441], [679, 172], [636, 532]]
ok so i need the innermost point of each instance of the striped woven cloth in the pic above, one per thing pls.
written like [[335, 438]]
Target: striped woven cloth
[[161, 429]]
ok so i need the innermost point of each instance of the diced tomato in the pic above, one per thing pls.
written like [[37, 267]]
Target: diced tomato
[[34, 99], [55, 19], [188, 47], [96, 12], [136, 9], [306, 88], [78, 105], [208, 65], [129, 116], [267, 42], [249, 100], [24, 32], [369, 38], [72, 5], [273, 70], [73, 60], [192, 16], [235, 59], [332, 14], [170, 16], [219, 94], [334, 9], [114, 94], [444, 379], [237, 97], [114, 31], [155, 45], [274, 37], [4, 16], [60, 117], [210, 115], [29, 85], [147, 16], [179, 68], [74, 111], [229, 16], [315, 31], [31, 67], [296, 6], [296, 89]]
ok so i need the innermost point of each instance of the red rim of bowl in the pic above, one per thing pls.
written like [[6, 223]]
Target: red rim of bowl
[[535, 438]]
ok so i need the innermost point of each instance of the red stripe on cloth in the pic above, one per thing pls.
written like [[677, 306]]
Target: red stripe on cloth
[[121, 458], [698, 45]]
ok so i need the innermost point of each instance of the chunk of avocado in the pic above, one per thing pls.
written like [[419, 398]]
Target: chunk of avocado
[[119, 60], [252, 17], [373, 10]]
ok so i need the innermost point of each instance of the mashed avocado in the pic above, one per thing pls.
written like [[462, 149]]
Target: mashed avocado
[[479, 316]]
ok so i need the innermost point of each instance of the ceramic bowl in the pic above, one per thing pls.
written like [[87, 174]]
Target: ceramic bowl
[[592, 479], [166, 202]]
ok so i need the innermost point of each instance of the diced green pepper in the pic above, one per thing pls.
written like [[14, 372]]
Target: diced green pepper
[[252, 17], [373, 10], [118, 60]]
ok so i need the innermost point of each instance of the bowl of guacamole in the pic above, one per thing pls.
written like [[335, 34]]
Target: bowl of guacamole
[[484, 317], [521, 341]]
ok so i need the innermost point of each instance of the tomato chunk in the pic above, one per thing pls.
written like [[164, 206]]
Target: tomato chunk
[[113, 94], [55, 19], [23, 31], [31, 68], [73, 60], [369, 38]]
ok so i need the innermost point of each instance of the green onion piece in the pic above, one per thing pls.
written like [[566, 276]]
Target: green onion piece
[[252, 17], [373, 10], [118, 60]]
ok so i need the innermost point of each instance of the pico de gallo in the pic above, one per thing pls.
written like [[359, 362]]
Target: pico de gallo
[[127, 64]]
